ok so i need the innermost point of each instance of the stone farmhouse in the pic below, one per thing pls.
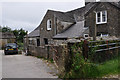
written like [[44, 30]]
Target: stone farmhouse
[[94, 19], [6, 37]]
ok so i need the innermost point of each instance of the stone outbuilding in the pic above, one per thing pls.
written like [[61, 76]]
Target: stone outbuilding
[[6, 37]]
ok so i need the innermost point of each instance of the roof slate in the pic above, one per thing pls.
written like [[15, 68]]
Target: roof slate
[[62, 16], [35, 33], [74, 31]]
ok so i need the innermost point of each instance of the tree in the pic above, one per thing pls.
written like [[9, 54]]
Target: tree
[[0, 29], [16, 33], [6, 29], [19, 34]]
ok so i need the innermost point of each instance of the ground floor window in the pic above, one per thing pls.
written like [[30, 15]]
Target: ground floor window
[[38, 42], [30, 42], [102, 34], [46, 41]]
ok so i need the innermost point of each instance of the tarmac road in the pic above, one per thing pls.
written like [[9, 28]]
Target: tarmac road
[[20, 66]]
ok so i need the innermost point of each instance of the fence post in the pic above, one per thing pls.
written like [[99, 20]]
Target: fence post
[[85, 49]]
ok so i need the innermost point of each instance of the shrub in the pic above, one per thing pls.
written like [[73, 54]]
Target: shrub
[[81, 68]]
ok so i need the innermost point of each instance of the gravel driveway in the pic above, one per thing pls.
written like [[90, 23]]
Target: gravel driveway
[[20, 66]]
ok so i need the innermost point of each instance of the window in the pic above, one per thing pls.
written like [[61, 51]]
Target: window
[[38, 42], [102, 34], [49, 24], [30, 42], [101, 17], [46, 41]]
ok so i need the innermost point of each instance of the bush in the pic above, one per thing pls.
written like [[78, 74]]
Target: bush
[[80, 67], [20, 46]]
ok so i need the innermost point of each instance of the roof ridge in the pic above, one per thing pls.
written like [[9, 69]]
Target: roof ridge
[[55, 11], [75, 9]]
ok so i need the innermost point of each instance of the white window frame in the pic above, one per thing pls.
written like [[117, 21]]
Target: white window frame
[[104, 35], [101, 17], [49, 24]]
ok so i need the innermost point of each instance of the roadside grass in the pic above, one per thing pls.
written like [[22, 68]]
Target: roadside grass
[[48, 60], [20, 46], [93, 70], [110, 67]]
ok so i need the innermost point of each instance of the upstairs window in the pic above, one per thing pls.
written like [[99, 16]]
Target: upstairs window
[[101, 17], [49, 24]]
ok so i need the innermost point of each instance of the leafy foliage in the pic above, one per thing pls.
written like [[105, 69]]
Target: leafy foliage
[[6, 29], [19, 34], [81, 68], [85, 68]]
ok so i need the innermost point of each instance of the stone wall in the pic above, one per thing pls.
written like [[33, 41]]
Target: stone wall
[[61, 56], [58, 53], [41, 51]]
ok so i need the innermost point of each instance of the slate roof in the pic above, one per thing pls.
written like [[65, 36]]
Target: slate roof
[[117, 4], [81, 11], [62, 16], [69, 15], [74, 31], [34, 33], [7, 35]]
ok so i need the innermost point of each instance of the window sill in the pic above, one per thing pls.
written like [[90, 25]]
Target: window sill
[[49, 29], [101, 23]]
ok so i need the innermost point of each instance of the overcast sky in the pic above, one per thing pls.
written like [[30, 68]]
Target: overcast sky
[[28, 15]]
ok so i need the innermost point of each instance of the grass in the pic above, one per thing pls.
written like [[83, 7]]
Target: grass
[[20, 46], [92, 70], [49, 60], [110, 67]]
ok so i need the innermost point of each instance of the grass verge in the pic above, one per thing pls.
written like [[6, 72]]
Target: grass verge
[[92, 70], [110, 67]]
